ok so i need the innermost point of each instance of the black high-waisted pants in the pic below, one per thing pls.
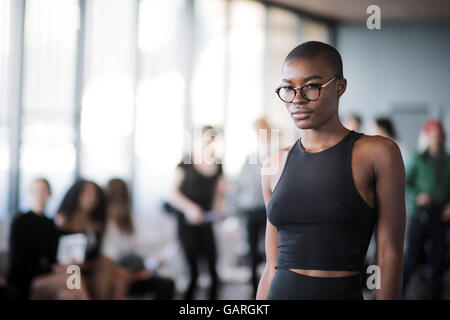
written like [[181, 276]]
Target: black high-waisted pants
[[290, 285], [198, 241]]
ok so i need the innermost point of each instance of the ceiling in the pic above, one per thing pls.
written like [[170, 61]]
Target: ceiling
[[355, 10]]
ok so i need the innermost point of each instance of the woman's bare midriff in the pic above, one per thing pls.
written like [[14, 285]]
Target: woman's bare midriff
[[325, 273]]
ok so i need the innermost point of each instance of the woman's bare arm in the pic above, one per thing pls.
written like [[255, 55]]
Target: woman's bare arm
[[271, 170], [390, 204], [271, 262], [219, 196]]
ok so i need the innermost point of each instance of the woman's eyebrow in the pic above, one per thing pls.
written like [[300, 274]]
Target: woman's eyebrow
[[306, 79], [312, 78]]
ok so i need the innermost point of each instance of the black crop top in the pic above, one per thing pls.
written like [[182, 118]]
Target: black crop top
[[323, 223]]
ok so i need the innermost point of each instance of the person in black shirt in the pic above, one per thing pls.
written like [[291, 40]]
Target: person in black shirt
[[33, 270], [199, 188], [325, 193]]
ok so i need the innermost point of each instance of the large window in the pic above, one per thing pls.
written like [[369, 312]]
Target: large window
[[161, 94], [48, 148], [107, 112], [208, 81], [246, 80], [5, 13]]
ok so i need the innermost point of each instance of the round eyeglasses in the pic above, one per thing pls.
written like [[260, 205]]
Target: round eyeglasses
[[310, 92]]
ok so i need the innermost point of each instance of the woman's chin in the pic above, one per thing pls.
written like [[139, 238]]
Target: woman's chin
[[303, 124]]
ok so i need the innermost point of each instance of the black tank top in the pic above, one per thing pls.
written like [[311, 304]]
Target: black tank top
[[323, 223], [198, 187]]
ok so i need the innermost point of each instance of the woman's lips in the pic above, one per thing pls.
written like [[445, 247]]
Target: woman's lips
[[301, 115]]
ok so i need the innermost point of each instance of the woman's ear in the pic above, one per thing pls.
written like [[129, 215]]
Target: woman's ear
[[341, 86]]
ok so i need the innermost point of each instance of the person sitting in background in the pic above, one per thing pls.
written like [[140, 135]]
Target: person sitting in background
[[119, 245], [33, 268], [385, 127], [428, 185], [82, 210], [250, 199], [353, 122]]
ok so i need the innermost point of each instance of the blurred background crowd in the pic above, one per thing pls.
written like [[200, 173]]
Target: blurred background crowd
[[99, 100]]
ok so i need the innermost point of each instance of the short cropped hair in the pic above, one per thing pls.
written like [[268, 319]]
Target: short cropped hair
[[317, 49]]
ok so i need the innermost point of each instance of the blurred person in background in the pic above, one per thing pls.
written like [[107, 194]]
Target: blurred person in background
[[385, 127], [120, 246], [250, 200], [33, 268], [83, 211], [353, 122], [428, 187], [197, 193]]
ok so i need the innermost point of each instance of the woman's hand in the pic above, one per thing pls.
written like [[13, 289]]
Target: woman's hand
[[194, 214], [423, 199]]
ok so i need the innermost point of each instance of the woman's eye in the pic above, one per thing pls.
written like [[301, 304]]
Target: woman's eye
[[311, 86]]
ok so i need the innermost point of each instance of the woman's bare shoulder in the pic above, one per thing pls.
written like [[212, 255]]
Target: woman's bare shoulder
[[383, 154], [376, 146]]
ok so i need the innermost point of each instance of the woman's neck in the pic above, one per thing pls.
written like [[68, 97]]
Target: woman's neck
[[200, 157], [324, 137], [38, 211]]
